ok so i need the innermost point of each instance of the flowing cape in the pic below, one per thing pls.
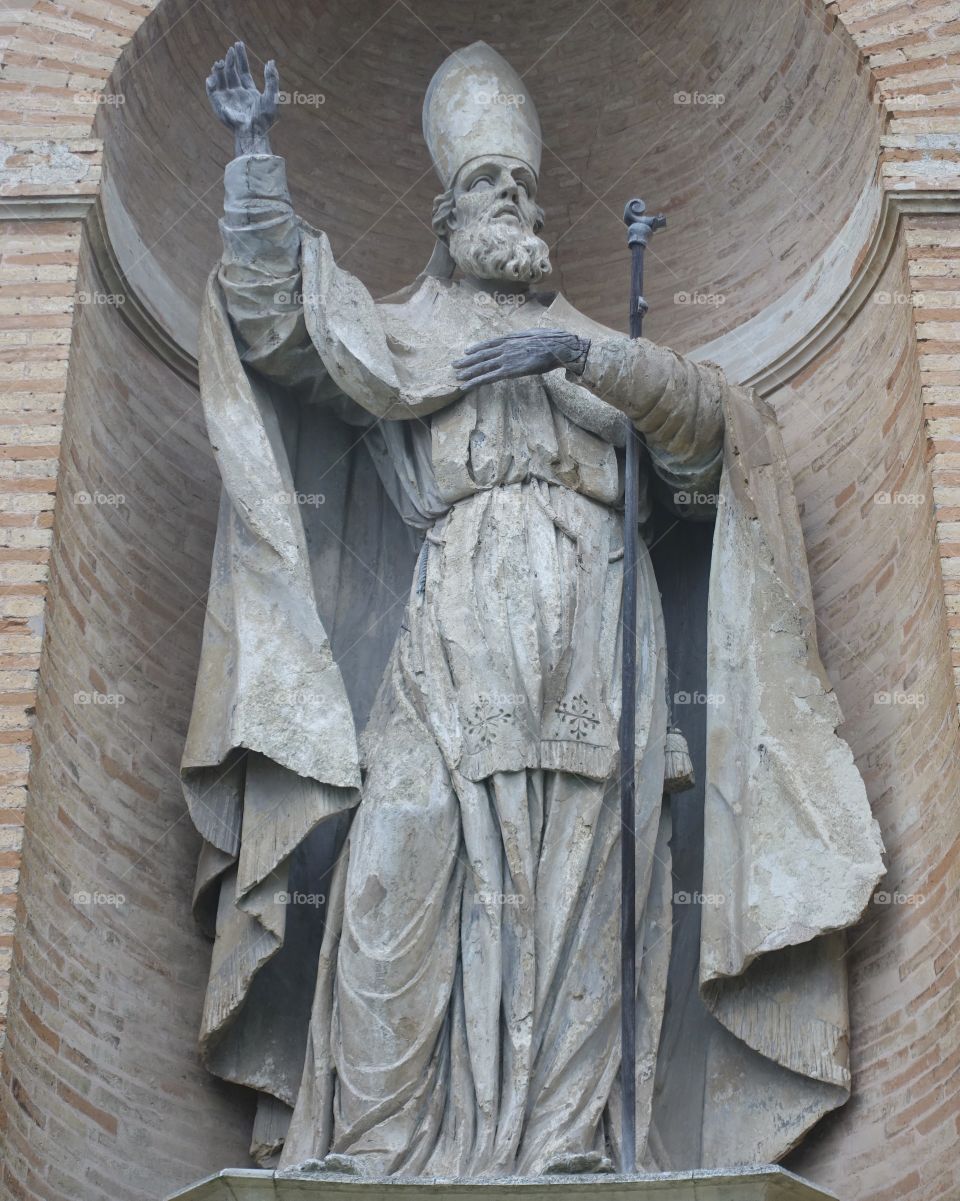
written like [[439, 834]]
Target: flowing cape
[[791, 851], [302, 568]]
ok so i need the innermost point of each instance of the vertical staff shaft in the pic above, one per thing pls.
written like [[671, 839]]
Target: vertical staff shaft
[[640, 230], [628, 833]]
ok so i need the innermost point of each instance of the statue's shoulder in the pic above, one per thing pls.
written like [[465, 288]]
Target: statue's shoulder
[[423, 287], [561, 314], [410, 315]]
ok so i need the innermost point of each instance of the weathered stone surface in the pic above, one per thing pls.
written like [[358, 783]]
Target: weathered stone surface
[[764, 1183], [468, 981]]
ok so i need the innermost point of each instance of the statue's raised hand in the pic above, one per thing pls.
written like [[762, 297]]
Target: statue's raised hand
[[247, 112], [530, 352]]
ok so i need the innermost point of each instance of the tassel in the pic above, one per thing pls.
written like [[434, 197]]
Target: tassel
[[678, 774], [422, 568]]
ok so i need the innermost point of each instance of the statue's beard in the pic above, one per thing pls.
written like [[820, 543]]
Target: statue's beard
[[496, 250]]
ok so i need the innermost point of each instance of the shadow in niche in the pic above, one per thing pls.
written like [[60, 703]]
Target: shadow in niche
[[681, 558]]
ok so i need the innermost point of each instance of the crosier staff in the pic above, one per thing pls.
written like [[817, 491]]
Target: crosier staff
[[640, 229]]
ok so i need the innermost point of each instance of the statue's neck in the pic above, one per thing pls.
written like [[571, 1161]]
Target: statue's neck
[[490, 286]]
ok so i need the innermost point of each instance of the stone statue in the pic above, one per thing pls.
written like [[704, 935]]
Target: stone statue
[[402, 757]]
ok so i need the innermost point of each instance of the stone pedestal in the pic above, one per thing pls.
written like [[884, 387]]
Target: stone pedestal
[[765, 1183]]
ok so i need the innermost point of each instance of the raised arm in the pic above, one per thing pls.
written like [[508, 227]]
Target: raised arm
[[260, 266]]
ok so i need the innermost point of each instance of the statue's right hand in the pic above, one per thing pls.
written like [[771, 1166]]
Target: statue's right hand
[[234, 97]]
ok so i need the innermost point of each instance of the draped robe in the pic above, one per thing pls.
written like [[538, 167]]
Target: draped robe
[[464, 1003]]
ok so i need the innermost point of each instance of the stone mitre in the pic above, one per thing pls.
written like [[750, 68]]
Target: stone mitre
[[477, 105]]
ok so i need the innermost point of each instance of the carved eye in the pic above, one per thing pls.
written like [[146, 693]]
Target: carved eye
[[481, 183], [523, 186]]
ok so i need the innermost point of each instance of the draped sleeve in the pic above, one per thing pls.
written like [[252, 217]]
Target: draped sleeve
[[259, 272], [675, 403], [678, 407]]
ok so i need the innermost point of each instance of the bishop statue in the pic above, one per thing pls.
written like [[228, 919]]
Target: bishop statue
[[403, 752]]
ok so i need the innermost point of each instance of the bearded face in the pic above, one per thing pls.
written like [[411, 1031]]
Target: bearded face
[[491, 219]]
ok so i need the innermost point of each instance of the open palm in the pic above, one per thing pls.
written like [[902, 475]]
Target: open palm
[[235, 98]]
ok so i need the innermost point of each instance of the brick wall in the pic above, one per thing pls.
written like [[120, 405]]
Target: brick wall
[[913, 54], [37, 273], [869, 521], [934, 250], [55, 59], [103, 1090]]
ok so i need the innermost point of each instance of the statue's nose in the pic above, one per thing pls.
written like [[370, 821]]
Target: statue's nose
[[508, 191]]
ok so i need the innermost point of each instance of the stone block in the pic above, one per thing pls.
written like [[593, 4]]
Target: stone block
[[767, 1182]]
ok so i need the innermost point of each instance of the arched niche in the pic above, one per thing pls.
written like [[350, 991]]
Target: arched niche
[[778, 237]]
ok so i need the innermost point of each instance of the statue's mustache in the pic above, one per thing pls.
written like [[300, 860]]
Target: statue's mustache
[[504, 208]]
